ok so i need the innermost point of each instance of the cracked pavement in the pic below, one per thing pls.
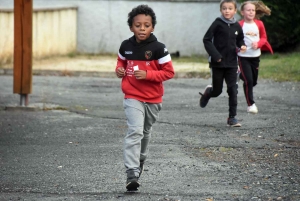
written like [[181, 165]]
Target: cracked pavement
[[70, 146]]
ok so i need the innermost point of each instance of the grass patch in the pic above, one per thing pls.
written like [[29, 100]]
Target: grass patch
[[55, 108], [72, 54], [196, 74], [191, 59], [280, 67], [277, 67], [97, 56]]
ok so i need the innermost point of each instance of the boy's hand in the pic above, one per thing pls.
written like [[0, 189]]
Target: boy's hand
[[140, 74], [243, 49], [120, 72]]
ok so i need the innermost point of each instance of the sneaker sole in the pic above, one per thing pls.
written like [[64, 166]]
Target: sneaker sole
[[252, 112], [236, 125], [132, 186], [202, 105]]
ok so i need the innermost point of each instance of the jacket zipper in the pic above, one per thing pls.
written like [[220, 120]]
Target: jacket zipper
[[228, 43]]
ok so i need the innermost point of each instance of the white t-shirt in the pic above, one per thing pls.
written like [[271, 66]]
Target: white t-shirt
[[251, 34]]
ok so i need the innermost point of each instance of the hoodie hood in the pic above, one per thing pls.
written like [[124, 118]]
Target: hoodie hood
[[231, 21], [151, 39]]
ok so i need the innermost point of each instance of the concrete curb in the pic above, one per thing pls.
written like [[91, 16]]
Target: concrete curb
[[102, 74], [22, 108], [33, 107]]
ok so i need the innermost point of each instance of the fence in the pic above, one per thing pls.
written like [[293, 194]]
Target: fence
[[54, 32]]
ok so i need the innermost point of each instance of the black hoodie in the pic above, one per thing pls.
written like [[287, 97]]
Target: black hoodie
[[221, 42], [139, 49]]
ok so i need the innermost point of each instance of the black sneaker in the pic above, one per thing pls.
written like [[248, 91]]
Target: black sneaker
[[205, 96], [233, 122], [132, 183], [141, 168]]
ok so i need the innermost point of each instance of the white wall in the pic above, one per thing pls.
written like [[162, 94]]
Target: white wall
[[179, 25], [102, 25], [6, 37], [53, 33]]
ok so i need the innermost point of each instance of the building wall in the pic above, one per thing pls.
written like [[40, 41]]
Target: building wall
[[53, 32], [102, 24], [6, 36]]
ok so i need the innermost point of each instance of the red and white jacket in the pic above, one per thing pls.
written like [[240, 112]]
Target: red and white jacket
[[263, 44], [151, 56]]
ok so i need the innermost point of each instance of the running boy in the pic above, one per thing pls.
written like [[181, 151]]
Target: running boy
[[256, 40], [221, 41], [143, 64]]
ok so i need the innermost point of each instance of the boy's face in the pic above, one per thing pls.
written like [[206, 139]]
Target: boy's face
[[228, 10], [142, 27]]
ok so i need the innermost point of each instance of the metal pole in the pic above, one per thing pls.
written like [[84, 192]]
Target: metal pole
[[24, 99]]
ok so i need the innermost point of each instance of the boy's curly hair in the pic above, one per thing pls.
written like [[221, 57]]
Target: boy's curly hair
[[141, 9], [260, 8]]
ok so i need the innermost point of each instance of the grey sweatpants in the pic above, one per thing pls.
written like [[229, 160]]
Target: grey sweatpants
[[140, 118]]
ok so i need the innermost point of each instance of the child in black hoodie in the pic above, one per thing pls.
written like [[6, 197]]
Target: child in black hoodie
[[222, 41]]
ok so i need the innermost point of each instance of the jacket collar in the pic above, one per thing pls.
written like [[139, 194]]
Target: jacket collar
[[231, 21], [148, 40]]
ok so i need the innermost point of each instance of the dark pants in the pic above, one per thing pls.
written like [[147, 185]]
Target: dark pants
[[249, 74], [230, 77]]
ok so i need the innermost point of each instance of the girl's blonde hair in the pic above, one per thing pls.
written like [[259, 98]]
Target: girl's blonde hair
[[260, 8]]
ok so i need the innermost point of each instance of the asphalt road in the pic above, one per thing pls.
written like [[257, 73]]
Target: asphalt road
[[67, 144]]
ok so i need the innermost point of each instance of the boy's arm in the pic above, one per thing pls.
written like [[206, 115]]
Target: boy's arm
[[121, 66], [208, 44], [121, 61], [166, 72]]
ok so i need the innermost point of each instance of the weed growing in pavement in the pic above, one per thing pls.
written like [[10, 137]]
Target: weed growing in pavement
[[66, 73]]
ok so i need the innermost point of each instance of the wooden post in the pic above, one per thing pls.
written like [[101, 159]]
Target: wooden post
[[23, 49]]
